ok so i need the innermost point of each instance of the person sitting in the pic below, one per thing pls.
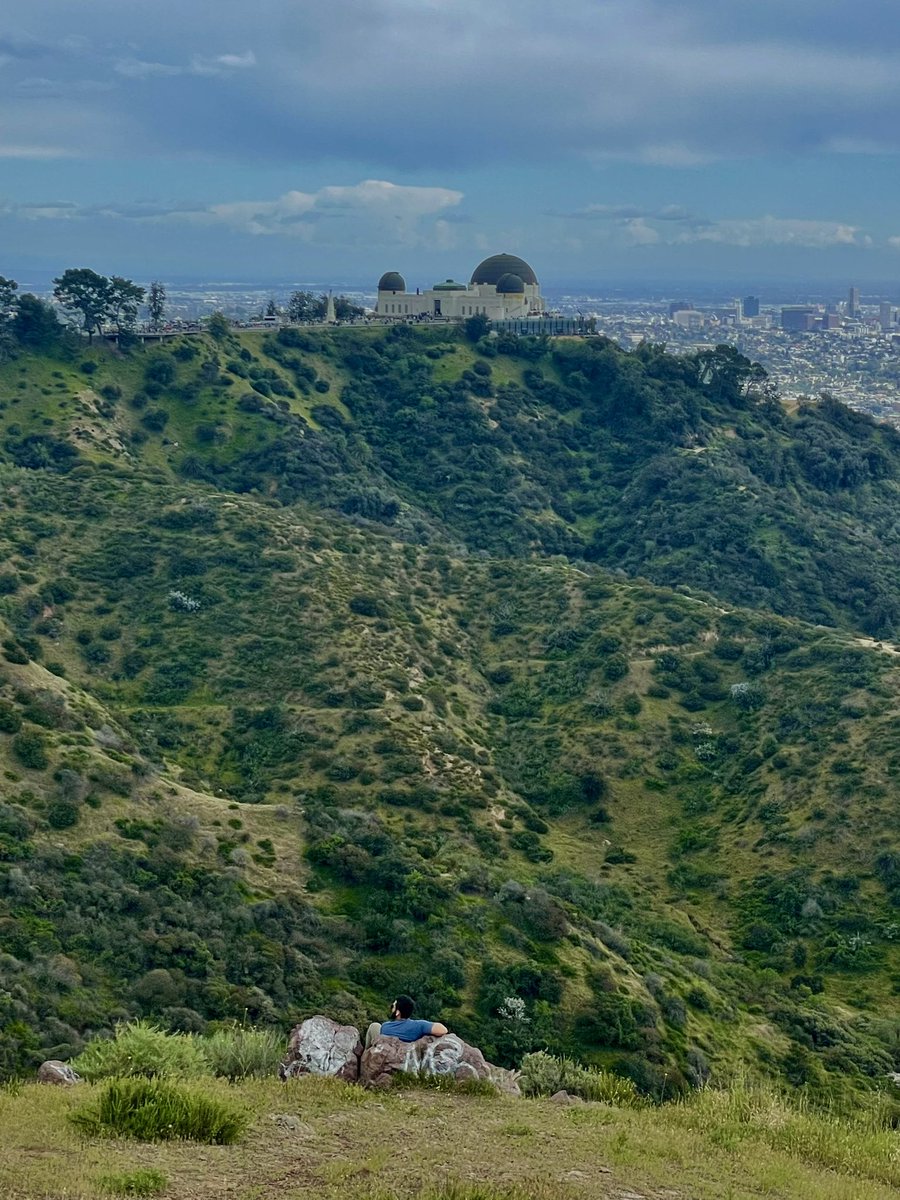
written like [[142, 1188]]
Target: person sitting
[[402, 1026]]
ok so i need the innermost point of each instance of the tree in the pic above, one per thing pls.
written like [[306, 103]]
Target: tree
[[8, 289], [476, 327], [125, 298], [156, 303], [35, 324], [345, 309], [304, 306], [219, 326], [83, 291], [271, 309]]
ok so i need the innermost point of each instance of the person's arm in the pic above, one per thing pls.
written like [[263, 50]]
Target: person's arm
[[438, 1030]]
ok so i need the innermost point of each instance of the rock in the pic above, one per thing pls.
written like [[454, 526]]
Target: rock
[[287, 1121], [447, 1056], [565, 1098], [56, 1072], [322, 1047]]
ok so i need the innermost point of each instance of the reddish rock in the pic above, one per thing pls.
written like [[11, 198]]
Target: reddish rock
[[58, 1073], [446, 1056], [322, 1047]]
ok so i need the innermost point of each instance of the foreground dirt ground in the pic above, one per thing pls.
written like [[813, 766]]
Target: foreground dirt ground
[[315, 1138]]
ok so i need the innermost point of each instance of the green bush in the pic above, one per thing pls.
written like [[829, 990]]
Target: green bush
[[31, 751], [157, 1110], [543, 1074], [141, 1182], [141, 1048], [239, 1053]]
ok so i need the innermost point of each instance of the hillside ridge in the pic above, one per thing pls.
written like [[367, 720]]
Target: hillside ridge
[[399, 696]]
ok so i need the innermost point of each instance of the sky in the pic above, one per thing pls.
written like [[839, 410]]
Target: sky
[[331, 140]]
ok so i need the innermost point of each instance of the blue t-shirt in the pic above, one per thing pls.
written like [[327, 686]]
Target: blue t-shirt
[[406, 1030]]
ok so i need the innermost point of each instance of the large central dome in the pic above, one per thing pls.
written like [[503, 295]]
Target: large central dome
[[494, 268]]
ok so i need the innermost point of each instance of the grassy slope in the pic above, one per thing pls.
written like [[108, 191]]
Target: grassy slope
[[458, 682], [400, 1145]]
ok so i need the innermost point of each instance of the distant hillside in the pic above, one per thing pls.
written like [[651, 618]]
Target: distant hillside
[[329, 672]]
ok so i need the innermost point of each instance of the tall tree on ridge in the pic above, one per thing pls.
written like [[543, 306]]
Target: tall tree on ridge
[[156, 303]]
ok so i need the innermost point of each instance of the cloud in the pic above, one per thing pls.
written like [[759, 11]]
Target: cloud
[[137, 68], [673, 225], [627, 212], [416, 83], [374, 205], [894, 242], [219, 64], [779, 231], [20, 150]]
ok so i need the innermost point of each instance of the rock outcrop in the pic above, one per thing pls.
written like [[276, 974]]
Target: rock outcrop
[[58, 1073], [322, 1047], [446, 1056]]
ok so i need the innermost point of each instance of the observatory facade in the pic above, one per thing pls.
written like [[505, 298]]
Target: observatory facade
[[502, 287]]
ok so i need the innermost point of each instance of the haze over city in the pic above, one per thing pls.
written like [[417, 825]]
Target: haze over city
[[604, 141]]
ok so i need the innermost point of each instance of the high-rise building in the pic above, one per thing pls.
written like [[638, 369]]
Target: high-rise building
[[853, 302], [677, 306], [750, 305], [885, 315], [798, 318]]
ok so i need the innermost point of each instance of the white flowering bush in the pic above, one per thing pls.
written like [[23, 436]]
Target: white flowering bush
[[181, 602], [512, 1009]]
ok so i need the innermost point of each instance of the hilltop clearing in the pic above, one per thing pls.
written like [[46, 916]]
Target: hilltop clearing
[[315, 1138]]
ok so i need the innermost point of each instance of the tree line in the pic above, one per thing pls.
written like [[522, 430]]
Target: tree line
[[92, 299]]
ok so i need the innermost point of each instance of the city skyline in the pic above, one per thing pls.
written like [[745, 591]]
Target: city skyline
[[602, 140]]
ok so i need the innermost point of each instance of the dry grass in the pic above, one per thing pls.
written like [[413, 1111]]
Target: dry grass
[[316, 1138]]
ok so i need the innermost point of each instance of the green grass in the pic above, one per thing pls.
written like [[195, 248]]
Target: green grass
[[140, 1182], [738, 1145], [152, 1110]]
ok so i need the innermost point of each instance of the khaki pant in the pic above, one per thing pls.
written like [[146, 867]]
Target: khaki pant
[[373, 1032]]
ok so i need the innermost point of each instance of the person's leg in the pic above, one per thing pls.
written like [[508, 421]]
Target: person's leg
[[373, 1032]]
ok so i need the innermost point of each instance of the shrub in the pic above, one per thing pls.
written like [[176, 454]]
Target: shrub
[[543, 1074], [239, 1053], [141, 1048], [157, 1110], [10, 721], [142, 1182], [30, 750], [62, 814]]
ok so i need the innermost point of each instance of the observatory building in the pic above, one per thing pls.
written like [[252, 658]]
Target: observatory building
[[502, 287]]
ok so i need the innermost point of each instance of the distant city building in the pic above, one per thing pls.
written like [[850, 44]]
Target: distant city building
[[798, 318], [678, 306], [853, 302], [689, 318], [885, 315], [738, 311], [831, 320], [750, 306], [502, 287]]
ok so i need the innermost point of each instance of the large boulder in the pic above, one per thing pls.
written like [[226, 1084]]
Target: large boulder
[[58, 1073], [322, 1047], [447, 1056]]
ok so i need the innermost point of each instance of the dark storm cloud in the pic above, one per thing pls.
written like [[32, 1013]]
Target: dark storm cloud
[[417, 83]]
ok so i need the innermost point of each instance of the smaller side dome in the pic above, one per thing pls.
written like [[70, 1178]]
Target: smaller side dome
[[392, 281], [510, 284]]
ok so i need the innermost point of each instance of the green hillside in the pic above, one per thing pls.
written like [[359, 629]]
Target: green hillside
[[337, 664]]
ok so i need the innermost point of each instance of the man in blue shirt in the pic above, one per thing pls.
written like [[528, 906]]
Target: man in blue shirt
[[402, 1026]]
